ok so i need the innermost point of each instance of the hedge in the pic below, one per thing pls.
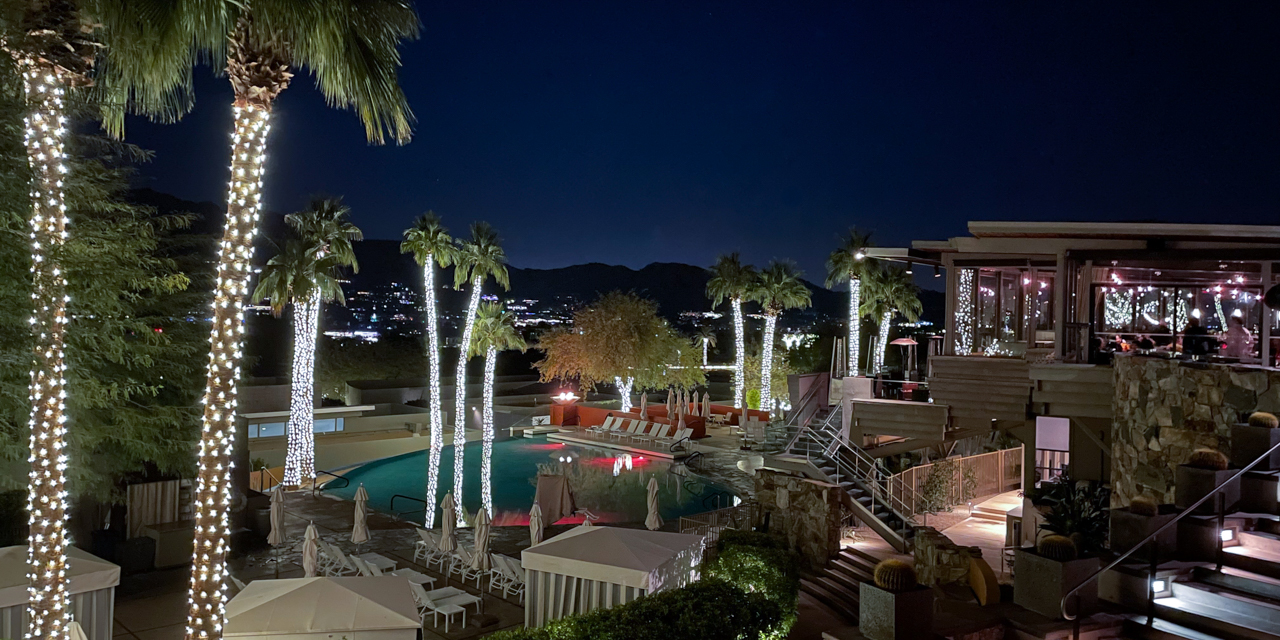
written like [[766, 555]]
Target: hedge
[[709, 609], [760, 564]]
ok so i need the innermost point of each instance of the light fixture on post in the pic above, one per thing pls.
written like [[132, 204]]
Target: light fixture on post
[[937, 271], [910, 271]]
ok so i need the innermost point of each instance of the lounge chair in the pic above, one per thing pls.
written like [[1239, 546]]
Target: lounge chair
[[680, 434], [607, 426], [426, 604], [415, 577], [380, 561], [462, 566], [452, 595], [367, 570], [636, 427], [426, 548], [648, 432], [511, 580], [657, 434], [622, 428], [340, 564]]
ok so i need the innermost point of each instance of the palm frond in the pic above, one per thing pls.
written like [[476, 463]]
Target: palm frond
[[429, 239], [730, 279], [848, 261], [482, 257], [779, 287]]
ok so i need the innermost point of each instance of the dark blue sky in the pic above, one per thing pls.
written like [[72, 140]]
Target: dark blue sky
[[634, 132]]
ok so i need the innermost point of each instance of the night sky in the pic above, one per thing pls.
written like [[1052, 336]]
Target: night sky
[[636, 132]]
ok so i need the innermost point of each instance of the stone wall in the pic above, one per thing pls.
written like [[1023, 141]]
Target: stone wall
[[940, 561], [806, 512], [1165, 409]]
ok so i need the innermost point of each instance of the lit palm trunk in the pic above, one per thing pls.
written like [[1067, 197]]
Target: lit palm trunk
[[624, 390], [49, 607], [486, 461], [207, 596], [300, 457], [739, 355], [704, 351], [855, 333], [460, 399], [883, 343], [766, 363], [433, 374]]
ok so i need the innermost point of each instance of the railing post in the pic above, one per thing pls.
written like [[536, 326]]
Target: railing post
[[1222, 517], [1075, 621], [1151, 583]]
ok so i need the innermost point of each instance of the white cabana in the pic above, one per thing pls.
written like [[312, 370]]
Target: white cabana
[[588, 568], [92, 586], [356, 608]]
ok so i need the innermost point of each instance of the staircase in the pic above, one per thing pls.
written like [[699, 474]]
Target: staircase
[[869, 491], [836, 586], [1237, 605]]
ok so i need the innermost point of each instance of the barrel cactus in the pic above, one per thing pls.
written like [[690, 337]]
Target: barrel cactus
[[895, 576], [1144, 506], [1263, 419], [1208, 459], [1059, 548]]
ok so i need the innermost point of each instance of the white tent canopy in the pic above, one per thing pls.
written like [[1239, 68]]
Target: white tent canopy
[[588, 568], [378, 608], [92, 583]]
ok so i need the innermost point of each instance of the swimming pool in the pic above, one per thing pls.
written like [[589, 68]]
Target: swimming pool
[[610, 484]]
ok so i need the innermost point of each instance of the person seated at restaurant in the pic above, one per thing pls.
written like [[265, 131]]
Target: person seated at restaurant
[[1196, 340], [1238, 341], [1144, 342], [1162, 336]]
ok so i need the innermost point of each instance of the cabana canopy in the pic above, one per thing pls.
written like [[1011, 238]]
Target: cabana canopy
[[379, 608], [92, 586]]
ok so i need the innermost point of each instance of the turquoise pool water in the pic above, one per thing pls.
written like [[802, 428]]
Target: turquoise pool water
[[603, 481]]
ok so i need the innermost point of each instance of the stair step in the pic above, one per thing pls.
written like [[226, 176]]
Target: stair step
[[860, 555], [1136, 627], [1220, 623], [855, 571], [1230, 601], [837, 604]]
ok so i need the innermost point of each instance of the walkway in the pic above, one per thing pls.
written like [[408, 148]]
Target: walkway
[[986, 530]]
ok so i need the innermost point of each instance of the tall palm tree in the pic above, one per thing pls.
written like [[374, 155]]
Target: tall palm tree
[[350, 48], [430, 244], [706, 334], [324, 239], [495, 331], [58, 48], [777, 289], [479, 258], [732, 280], [848, 262], [890, 292]]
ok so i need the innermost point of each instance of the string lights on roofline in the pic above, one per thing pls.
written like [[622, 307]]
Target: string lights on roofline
[[45, 129], [207, 597], [433, 374]]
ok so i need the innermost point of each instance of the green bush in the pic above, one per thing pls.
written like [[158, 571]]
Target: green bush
[[707, 610], [761, 564]]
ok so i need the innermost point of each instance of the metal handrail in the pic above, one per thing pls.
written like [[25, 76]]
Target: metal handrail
[[1188, 511], [315, 486], [804, 401], [392, 506], [877, 475]]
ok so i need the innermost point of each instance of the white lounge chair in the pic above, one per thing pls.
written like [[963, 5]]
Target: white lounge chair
[[341, 565], [677, 436], [426, 604], [657, 433], [427, 546], [414, 577], [365, 568], [606, 426], [633, 428], [378, 560], [512, 580], [646, 431], [453, 595], [462, 566]]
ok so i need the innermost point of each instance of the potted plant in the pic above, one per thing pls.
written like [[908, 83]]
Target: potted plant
[[1131, 525], [895, 607], [1202, 474], [1043, 575], [1253, 438]]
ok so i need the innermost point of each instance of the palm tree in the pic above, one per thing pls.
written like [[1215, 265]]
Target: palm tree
[[430, 244], [495, 331], [351, 50], [707, 334], [732, 280], [890, 291], [848, 262], [777, 289], [57, 48], [307, 267], [478, 259]]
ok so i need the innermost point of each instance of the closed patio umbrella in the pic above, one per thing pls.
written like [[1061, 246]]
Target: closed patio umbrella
[[76, 632], [480, 559], [695, 407], [653, 521], [276, 537], [706, 404], [448, 543], [311, 551], [535, 524], [644, 406], [360, 531], [671, 404]]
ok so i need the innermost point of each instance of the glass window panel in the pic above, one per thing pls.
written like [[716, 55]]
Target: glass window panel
[[253, 431], [270, 429], [339, 424], [327, 425]]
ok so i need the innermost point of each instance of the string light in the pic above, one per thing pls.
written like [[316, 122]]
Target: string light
[[855, 327], [300, 456], [739, 349], [1117, 308], [460, 401], [624, 390], [882, 343], [964, 311], [48, 602], [766, 362], [207, 598], [433, 374], [486, 460]]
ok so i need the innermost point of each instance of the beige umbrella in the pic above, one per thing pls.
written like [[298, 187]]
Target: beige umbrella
[[448, 543], [671, 404], [535, 525], [644, 406], [694, 407], [653, 521], [480, 559], [76, 632], [276, 537], [311, 551], [706, 404], [360, 532]]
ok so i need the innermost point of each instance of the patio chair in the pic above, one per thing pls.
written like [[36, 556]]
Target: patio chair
[[414, 577], [462, 566], [367, 570], [647, 431], [341, 565], [513, 579], [679, 435], [378, 560], [620, 428], [635, 427], [606, 426], [657, 434], [426, 547], [427, 605]]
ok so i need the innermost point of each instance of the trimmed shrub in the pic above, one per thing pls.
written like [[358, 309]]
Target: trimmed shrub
[[895, 575], [1209, 459], [760, 564], [1060, 548], [1144, 506], [707, 610], [1263, 419]]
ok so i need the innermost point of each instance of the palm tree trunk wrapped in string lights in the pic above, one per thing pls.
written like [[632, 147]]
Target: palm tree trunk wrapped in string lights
[[848, 262], [495, 331], [777, 289], [732, 280]]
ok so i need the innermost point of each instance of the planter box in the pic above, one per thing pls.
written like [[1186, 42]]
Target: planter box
[[1247, 443], [885, 615], [1040, 583], [1128, 529], [1194, 484]]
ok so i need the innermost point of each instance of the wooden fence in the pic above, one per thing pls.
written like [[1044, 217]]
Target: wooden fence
[[995, 472]]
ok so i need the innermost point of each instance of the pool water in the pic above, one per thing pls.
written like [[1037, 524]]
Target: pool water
[[610, 484]]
